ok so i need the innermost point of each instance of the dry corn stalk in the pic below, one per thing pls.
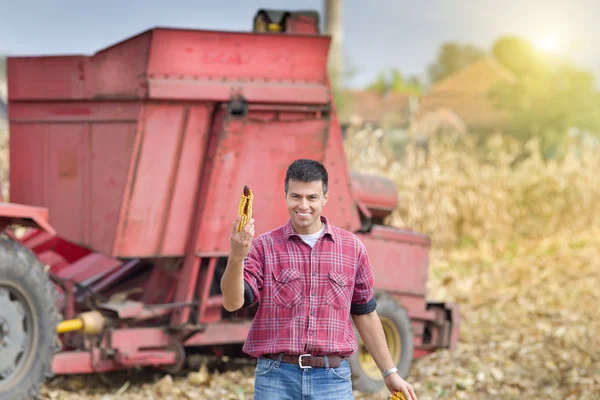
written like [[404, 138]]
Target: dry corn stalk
[[459, 192]]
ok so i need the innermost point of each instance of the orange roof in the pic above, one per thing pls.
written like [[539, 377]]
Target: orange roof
[[478, 77], [466, 93], [387, 109]]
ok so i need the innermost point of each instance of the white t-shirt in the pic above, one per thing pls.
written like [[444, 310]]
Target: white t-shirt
[[312, 238]]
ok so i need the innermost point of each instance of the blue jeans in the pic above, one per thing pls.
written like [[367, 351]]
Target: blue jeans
[[280, 381]]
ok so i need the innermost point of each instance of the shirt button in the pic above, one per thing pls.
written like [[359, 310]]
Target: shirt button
[[313, 313], [314, 274], [314, 295]]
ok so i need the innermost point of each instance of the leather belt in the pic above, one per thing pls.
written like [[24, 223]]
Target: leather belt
[[307, 360]]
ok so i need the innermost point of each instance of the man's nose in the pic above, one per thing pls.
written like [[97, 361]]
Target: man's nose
[[303, 204]]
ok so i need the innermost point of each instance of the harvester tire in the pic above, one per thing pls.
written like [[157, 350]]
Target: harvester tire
[[366, 376], [28, 320]]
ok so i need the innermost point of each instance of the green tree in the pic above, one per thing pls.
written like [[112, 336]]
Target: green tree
[[453, 57], [551, 95], [393, 81], [516, 54]]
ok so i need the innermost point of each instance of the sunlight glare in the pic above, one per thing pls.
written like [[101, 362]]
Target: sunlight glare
[[548, 43]]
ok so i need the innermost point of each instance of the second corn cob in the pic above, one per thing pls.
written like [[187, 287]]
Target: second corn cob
[[398, 396]]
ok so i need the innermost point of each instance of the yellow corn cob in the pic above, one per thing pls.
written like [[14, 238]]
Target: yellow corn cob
[[398, 396], [245, 208]]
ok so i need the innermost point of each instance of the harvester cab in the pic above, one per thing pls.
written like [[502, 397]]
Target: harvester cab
[[127, 166]]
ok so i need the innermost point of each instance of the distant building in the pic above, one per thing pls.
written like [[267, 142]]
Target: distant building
[[391, 110], [466, 93]]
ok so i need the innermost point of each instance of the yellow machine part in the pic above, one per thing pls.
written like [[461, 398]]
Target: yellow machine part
[[69, 325], [91, 323]]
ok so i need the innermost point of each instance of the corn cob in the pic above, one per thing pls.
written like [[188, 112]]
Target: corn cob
[[245, 208], [398, 396]]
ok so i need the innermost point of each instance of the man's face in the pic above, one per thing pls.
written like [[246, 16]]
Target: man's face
[[305, 201]]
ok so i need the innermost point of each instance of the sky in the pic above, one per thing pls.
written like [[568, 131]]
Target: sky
[[378, 34]]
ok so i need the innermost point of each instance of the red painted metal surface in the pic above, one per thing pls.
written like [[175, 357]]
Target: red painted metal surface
[[89, 269], [129, 347], [262, 67], [76, 169], [399, 260], [182, 64], [11, 213], [159, 200], [377, 194], [221, 333]]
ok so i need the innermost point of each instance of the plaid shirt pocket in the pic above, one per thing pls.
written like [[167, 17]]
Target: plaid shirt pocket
[[287, 287], [340, 290]]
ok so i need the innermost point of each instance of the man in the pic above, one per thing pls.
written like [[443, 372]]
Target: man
[[309, 278]]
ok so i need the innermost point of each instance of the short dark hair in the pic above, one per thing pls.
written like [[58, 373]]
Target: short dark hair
[[305, 170]]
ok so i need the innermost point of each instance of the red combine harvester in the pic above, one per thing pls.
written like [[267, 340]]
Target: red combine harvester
[[126, 167]]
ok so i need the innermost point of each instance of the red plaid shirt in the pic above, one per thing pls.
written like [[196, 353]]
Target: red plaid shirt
[[306, 296]]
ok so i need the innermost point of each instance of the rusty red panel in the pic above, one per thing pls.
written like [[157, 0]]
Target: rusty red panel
[[55, 261], [60, 77], [254, 153], [420, 353], [186, 285], [116, 72], [81, 362], [111, 145], [119, 70], [378, 194], [149, 187], [10, 212], [67, 178], [28, 164], [71, 112], [260, 92], [49, 168], [226, 55], [67, 162], [340, 208], [399, 264], [221, 333], [178, 225], [127, 343], [90, 267], [128, 340]]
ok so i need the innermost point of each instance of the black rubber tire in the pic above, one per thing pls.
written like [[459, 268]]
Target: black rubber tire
[[386, 308], [22, 272]]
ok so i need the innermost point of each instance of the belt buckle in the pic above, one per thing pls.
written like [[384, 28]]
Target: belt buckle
[[300, 361]]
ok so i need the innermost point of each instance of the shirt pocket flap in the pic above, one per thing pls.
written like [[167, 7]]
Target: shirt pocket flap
[[286, 275], [340, 278]]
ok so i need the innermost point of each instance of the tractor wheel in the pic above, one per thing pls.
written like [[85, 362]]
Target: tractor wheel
[[366, 376], [28, 320]]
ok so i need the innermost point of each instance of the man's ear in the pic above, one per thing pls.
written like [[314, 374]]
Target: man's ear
[[325, 198]]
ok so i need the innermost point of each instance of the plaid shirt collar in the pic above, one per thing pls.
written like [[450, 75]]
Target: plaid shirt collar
[[288, 230]]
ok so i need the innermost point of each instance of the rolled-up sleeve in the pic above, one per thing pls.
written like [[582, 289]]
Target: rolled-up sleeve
[[253, 273], [363, 299]]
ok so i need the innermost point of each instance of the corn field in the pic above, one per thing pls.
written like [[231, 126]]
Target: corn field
[[490, 194], [516, 242]]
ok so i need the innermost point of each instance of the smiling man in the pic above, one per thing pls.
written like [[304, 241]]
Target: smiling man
[[310, 280]]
